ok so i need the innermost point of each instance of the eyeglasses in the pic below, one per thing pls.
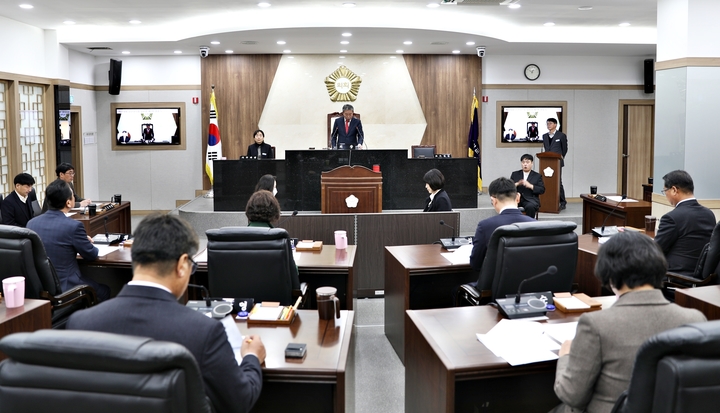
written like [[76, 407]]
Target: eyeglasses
[[194, 265], [70, 173], [665, 190]]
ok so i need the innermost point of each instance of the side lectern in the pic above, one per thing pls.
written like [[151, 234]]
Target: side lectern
[[351, 189], [550, 200]]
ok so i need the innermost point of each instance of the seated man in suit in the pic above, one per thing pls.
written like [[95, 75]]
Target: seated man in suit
[[66, 172], [64, 238], [529, 185], [347, 131], [17, 206], [148, 306], [504, 198], [684, 231]]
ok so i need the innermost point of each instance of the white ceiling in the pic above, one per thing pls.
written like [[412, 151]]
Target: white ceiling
[[377, 27]]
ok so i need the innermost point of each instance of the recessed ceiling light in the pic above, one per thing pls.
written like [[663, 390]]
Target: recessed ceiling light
[[178, 52], [126, 52], [346, 34], [228, 51], [470, 43], [264, 4], [291, 57], [624, 24], [585, 8], [348, 4], [398, 51], [549, 24], [69, 22], [433, 5], [407, 42], [341, 57], [456, 51], [26, 6], [281, 42], [287, 51], [513, 6], [344, 42], [393, 57], [214, 42], [343, 51], [134, 22]]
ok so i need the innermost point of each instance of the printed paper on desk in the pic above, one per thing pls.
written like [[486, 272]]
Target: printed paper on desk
[[519, 342], [104, 250], [616, 198], [234, 337], [201, 256], [560, 332], [461, 255]]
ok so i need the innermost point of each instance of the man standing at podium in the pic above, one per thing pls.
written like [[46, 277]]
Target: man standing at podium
[[347, 132], [556, 141]]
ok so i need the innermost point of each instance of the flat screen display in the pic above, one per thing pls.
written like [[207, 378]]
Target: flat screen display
[[527, 124], [147, 126]]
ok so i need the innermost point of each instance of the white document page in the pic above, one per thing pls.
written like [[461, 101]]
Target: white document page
[[519, 342], [561, 331], [104, 250], [234, 337], [460, 255], [617, 198], [201, 256]]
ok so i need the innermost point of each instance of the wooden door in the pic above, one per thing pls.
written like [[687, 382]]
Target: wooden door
[[76, 146], [635, 146]]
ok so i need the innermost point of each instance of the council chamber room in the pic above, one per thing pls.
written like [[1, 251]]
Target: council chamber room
[[438, 206]]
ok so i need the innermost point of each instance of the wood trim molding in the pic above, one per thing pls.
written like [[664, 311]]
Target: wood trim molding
[[563, 87], [707, 203], [688, 62], [149, 87]]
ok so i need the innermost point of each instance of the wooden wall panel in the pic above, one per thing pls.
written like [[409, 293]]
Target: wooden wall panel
[[444, 85], [242, 84]]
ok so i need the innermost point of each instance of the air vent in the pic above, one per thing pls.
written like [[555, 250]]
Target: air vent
[[486, 2], [439, 43], [92, 49], [249, 42]]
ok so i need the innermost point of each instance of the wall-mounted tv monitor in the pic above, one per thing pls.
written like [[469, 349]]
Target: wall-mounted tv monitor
[[524, 123], [153, 125]]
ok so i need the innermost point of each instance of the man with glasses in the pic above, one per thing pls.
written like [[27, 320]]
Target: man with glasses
[[684, 231], [148, 306], [66, 172]]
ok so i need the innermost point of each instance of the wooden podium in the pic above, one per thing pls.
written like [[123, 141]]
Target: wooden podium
[[346, 181], [550, 200]]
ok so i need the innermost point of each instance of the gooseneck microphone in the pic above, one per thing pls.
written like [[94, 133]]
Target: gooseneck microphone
[[295, 212], [205, 293], [107, 234], [551, 270], [442, 222], [602, 233]]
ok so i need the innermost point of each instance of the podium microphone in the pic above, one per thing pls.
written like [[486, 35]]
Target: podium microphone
[[204, 294], [442, 222], [295, 212], [528, 305], [613, 231], [551, 270]]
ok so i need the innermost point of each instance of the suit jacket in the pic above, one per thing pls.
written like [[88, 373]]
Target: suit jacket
[[526, 193], [151, 312], [354, 136], [557, 144], [441, 202], [78, 199], [603, 352], [16, 212], [682, 234], [485, 229], [63, 239], [265, 150]]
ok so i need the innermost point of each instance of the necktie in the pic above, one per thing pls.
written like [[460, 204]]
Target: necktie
[[347, 126]]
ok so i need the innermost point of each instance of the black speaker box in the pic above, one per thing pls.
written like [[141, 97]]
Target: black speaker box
[[649, 66], [114, 76]]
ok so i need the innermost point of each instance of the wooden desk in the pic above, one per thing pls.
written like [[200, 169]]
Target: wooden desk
[[418, 277], [33, 315], [585, 272], [448, 370], [630, 214], [320, 381], [706, 299], [118, 220], [328, 267]]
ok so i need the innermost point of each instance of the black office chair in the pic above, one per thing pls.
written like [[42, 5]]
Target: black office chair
[[23, 253], [706, 271], [519, 251], [676, 372], [252, 262], [69, 371]]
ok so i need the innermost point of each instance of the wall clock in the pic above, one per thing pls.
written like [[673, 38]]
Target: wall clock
[[532, 72]]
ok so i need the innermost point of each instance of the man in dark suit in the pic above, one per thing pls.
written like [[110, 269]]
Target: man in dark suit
[[556, 141], [529, 184], [17, 206], [64, 238], [347, 131], [684, 231], [66, 172], [504, 198], [148, 306]]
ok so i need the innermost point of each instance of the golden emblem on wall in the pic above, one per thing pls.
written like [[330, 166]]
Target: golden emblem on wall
[[343, 85]]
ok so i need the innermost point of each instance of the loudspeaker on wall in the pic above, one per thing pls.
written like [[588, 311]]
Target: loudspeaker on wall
[[649, 66]]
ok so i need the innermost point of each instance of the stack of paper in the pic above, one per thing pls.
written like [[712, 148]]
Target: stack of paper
[[520, 342]]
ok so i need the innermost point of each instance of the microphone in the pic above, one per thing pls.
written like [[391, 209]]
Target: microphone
[[333, 135], [295, 212], [602, 233], [442, 222], [205, 294], [107, 234], [350, 156], [552, 270]]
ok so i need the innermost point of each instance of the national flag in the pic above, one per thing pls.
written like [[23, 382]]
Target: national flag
[[473, 145], [214, 146]]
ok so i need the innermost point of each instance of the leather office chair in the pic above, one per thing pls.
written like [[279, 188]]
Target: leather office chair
[[22, 253], [252, 262], [676, 372], [706, 271], [1, 199], [423, 151], [519, 251], [69, 371]]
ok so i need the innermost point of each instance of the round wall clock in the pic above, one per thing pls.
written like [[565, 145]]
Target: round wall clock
[[532, 72]]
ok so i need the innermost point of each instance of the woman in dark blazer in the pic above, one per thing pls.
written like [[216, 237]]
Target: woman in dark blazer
[[438, 199], [260, 149]]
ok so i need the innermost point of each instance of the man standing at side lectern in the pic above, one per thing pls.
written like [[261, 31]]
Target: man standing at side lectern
[[556, 141], [347, 132]]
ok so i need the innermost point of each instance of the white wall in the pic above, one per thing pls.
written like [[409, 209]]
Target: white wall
[[23, 48]]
